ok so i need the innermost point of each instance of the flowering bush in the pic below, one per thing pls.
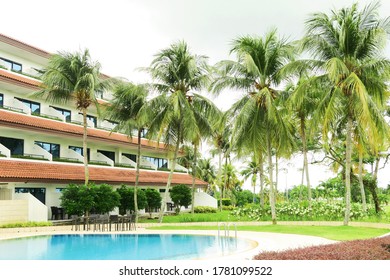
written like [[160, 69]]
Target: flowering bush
[[370, 249], [320, 210]]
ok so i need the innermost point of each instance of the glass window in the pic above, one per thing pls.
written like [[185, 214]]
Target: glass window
[[99, 94], [14, 66], [130, 156], [54, 149], [110, 155], [159, 162], [17, 67], [1, 100], [66, 113], [34, 106], [80, 150], [38, 193], [16, 146], [92, 119]]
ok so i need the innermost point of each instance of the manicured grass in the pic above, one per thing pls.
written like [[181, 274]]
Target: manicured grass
[[330, 232], [27, 224]]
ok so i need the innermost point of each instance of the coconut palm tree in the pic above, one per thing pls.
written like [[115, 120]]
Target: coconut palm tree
[[347, 46], [258, 123], [302, 101], [179, 114], [73, 77], [206, 171], [129, 107]]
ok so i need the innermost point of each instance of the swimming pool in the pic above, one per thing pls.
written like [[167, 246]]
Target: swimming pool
[[120, 247]]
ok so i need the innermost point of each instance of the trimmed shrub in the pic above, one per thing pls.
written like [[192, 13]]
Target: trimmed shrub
[[181, 196], [299, 211], [205, 209]]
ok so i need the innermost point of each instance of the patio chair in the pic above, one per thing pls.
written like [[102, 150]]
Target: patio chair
[[114, 219], [75, 222], [132, 223], [102, 222], [54, 212]]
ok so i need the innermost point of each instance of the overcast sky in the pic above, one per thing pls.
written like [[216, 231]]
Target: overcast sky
[[123, 35]]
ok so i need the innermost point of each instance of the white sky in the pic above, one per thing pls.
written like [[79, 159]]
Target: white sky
[[123, 35]]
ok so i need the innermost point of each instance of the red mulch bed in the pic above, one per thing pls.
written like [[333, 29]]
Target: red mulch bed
[[369, 249]]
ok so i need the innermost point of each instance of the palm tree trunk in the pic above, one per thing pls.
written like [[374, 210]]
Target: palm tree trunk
[[348, 156], [225, 178], [305, 162], [254, 187], [137, 175], [271, 183], [362, 192], [85, 151], [276, 172], [173, 165], [374, 187], [193, 179], [220, 178], [261, 163]]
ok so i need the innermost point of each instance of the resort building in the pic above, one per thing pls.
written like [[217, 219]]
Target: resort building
[[41, 144]]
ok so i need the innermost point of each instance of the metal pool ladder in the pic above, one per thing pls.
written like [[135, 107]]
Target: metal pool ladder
[[227, 229]]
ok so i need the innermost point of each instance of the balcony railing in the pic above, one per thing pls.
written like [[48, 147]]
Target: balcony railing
[[67, 159], [30, 156], [9, 108], [99, 162], [46, 116]]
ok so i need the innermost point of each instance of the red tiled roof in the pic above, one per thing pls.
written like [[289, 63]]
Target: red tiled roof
[[13, 119], [28, 171], [18, 79], [21, 45]]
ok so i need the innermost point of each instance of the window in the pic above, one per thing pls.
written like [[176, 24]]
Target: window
[[66, 113], [54, 149], [14, 66], [1, 100], [130, 156], [110, 155], [159, 162], [38, 193], [16, 146], [99, 94], [80, 151], [92, 119], [34, 106]]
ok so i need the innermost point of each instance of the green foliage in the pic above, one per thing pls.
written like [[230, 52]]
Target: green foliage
[[181, 195], [127, 199], [299, 211], [106, 199], [226, 202], [228, 208], [77, 199], [205, 209], [243, 197], [153, 199]]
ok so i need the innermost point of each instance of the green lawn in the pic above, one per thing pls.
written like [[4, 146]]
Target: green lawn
[[340, 233]]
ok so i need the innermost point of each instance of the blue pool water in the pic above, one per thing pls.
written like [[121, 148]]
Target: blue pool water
[[120, 247]]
